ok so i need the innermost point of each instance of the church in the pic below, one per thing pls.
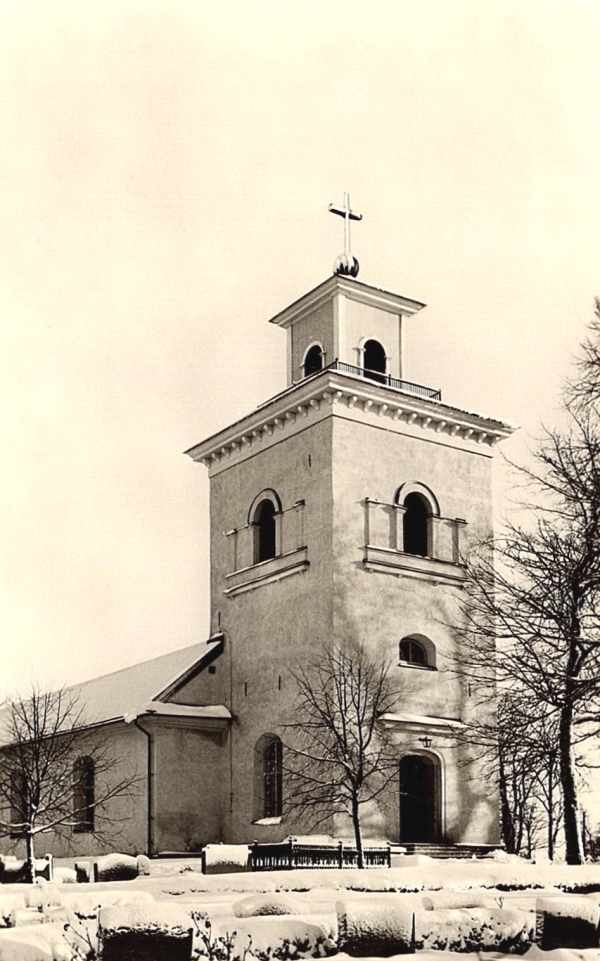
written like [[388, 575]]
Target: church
[[340, 508]]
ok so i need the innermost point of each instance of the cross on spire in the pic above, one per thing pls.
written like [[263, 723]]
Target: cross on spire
[[346, 264]]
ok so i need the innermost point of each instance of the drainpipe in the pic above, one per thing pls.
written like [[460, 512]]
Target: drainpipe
[[150, 795]]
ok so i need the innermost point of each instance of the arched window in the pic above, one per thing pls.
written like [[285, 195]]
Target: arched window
[[313, 360], [417, 650], [374, 361], [420, 506], [415, 524], [264, 519], [412, 652], [268, 777], [265, 542], [83, 793]]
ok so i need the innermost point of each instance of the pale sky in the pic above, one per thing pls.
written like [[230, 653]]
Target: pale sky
[[164, 180]]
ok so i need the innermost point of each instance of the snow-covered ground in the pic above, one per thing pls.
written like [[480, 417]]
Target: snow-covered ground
[[308, 898]]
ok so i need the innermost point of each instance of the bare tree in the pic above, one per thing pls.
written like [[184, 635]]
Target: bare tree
[[338, 757], [55, 774], [584, 389], [539, 604], [508, 749]]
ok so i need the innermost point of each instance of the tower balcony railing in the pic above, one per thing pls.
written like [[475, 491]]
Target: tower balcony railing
[[373, 375]]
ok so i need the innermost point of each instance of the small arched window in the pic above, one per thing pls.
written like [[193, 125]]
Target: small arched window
[[415, 524], [412, 652], [268, 777], [417, 650], [83, 793], [313, 361], [374, 361]]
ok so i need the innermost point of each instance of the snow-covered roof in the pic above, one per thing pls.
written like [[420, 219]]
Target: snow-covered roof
[[134, 691], [166, 709]]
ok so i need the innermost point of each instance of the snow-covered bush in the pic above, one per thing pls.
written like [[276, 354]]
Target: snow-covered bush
[[13, 870], [42, 942], [266, 938], [143, 864], [369, 928], [26, 916], [568, 922], [83, 871], [9, 903], [42, 895], [474, 929], [88, 905], [145, 932], [265, 904], [458, 899], [116, 867], [225, 858]]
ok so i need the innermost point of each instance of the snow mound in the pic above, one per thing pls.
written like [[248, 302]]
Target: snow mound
[[224, 858], [149, 916], [116, 867], [64, 876], [374, 929], [455, 899], [89, 904], [265, 904], [9, 903], [45, 942], [475, 929], [280, 937], [568, 922], [145, 932], [570, 906], [42, 895], [143, 864]]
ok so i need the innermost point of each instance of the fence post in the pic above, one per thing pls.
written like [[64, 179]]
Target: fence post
[[50, 861], [291, 854], [389, 854], [341, 854], [203, 860]]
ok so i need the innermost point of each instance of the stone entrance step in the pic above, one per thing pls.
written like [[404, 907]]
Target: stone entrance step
[[462, 851]]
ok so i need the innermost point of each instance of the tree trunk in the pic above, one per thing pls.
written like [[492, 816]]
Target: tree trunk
[[573, 842], [507, 822], [551, 811], [357, 832], [30, 860]]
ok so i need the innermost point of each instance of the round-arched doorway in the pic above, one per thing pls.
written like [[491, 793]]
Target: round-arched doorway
[[420, 798]]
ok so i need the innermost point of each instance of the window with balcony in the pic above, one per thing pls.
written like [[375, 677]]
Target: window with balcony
[[415, 523], [411, 537], [265, 532], [269, 547]]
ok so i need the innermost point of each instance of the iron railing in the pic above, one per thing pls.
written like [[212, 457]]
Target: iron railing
[[373, 375], [293, 854]]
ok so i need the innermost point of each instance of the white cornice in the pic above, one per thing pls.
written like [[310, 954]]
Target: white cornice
[[332, 392], [348, 287]]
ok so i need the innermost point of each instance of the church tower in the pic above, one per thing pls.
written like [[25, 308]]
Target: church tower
[[340, 509]]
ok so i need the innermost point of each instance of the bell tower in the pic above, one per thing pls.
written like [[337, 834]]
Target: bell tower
[[342, 508]]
